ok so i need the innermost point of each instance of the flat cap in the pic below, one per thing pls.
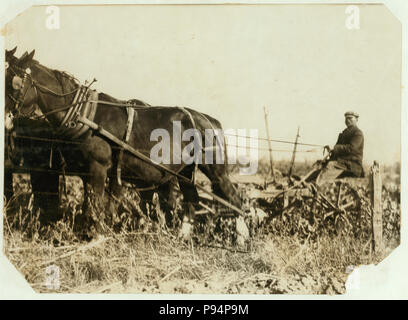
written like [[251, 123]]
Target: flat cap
[[351, 113]]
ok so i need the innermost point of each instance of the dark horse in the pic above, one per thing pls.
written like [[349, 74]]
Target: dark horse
[[23, 154], [28, 82]]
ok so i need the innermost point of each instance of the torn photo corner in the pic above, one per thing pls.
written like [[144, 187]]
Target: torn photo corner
[[212, 148]]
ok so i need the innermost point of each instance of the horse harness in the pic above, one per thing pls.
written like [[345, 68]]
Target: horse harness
[[81, 105], [84, 105], [129, 127]]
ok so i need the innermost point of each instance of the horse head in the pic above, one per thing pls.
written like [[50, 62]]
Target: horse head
[[32, 87], [19, 90]]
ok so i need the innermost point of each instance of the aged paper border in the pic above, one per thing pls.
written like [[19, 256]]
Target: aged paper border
[[387, 280]]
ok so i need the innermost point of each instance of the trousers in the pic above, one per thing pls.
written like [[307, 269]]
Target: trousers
[[330, 172]]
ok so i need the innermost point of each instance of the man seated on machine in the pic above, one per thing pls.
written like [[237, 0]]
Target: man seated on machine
[[346, 157]]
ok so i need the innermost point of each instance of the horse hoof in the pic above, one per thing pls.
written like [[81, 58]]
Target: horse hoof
[[242, 231], [186, 231]]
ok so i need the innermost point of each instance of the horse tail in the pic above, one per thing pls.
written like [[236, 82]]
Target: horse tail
[[214, 123], [218, 124]]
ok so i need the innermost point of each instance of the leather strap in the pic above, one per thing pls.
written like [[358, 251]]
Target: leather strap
[[129, 127]]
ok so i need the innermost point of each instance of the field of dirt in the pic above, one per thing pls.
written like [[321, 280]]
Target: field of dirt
[[296, 252]]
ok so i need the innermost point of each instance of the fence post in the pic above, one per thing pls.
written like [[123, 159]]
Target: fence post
[[376, 203], [269, 144], [292, 161]]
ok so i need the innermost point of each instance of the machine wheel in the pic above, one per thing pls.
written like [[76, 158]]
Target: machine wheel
[[346, 211]]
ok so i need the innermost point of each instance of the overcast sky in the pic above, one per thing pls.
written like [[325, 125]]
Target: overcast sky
[[229, 61]]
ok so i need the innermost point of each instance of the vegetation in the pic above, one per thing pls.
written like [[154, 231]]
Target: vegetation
[[285, 254]]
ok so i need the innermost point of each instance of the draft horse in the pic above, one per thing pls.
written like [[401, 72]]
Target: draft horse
[[28, 82], [22, 154]]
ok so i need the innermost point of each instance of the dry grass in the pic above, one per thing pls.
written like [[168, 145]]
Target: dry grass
[[160, 263], [154, 260], [147, 262]]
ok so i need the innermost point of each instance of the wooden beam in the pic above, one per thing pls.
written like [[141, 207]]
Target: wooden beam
[[269, 144], [292, 161], [376, 203], [145, 158]]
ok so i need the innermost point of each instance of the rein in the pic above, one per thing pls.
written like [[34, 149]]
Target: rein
[[75, 114], [122, 105], [19, 101], [61, 95]]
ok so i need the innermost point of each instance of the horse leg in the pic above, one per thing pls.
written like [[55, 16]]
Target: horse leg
[[190, 198], [115, 189], [220, 183], [81, 222], [222, 186], [115, 196], [95, 193], [91, 221], [8, 164], [8, 185], [10, 204], [168, 201], [146, 200], [45, 188]]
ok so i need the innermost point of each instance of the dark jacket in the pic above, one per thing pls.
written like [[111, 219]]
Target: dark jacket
[[349, 150]]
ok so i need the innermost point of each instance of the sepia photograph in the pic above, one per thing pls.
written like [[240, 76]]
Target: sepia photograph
[[240, 149]]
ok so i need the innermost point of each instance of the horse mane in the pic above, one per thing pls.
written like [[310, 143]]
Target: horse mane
[[65, 78], [59, 75]]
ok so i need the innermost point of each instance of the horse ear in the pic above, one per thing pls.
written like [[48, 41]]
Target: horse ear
[[31, 55], [23, 56], [10, 53], [25, 59]]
